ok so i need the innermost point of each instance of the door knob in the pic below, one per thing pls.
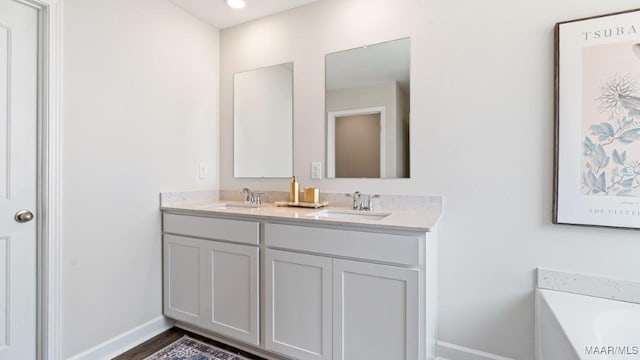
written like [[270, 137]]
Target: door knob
[[23, 216]]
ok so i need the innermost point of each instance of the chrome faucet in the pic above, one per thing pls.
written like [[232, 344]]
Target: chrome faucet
[[369, 204], [251, 197], [257, 197], [356, 199], [360, 204]]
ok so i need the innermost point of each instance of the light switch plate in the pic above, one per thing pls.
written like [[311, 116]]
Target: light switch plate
[[316, 170], [203, 170]]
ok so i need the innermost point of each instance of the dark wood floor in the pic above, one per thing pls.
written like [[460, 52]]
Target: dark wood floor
[[151, 346]]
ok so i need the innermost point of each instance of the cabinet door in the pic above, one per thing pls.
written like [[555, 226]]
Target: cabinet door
[[376, 312], [298, 305], [184, 261], [232, 290]]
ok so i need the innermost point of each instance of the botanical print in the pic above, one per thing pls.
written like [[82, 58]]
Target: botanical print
[[611, 120]]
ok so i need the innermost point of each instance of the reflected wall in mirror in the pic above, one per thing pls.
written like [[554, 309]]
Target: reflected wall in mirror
[[367, 92], [263, 122]]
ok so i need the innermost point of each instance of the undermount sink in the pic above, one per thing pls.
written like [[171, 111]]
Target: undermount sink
[[225, 206], [346, 214]]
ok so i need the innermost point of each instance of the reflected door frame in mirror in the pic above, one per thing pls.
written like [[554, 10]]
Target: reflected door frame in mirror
[[331, 136]]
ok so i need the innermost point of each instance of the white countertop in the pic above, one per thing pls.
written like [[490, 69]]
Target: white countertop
[[422, 221]]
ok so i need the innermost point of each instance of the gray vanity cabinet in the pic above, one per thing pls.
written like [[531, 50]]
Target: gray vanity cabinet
[[375, 311], [184, 284], [358, 309], [231, 281], [209, 283], [317, 307], [298, 314], [326, 291]]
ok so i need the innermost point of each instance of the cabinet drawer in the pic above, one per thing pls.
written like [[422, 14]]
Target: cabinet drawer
[[391, 248], [217, 229]]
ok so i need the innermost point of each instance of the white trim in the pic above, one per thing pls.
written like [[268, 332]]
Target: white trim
[[448, 351], [49, 178], [331, 136], [127, 340]]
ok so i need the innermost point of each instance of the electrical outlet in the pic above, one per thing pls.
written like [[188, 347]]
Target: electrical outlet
[[203, 170], [316, 170]]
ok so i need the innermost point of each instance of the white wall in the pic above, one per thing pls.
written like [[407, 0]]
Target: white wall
[[141, 111], [481, 135]]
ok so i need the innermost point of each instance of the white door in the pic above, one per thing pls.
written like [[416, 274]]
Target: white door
[[18, 126], [184, 281], [375, 312], [232, 290], [298, 305]]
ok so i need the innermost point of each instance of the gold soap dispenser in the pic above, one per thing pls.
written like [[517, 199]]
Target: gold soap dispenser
[[295, 190]]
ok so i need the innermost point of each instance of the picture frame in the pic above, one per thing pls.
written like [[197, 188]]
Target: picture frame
[[597, 121]]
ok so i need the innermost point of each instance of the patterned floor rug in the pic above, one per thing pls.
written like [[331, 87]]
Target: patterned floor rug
[[187, 348]]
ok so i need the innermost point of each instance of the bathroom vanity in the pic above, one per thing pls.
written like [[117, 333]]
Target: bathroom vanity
[[304, 283]]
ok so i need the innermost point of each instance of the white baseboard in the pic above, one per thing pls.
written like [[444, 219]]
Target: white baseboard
[[125, 341], [447, 351]]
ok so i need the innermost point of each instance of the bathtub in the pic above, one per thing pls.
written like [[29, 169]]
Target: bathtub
[[571, 326]]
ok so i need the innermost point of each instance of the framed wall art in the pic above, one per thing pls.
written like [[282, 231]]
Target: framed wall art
[[597, 129]]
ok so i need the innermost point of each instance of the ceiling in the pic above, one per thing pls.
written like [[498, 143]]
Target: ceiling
[[218, 14]]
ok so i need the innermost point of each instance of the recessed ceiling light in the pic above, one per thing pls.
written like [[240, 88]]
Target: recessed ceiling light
[[236, 4]]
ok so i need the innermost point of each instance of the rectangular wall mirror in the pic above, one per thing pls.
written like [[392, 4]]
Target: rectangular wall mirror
[[367, 92], [263, 122]]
